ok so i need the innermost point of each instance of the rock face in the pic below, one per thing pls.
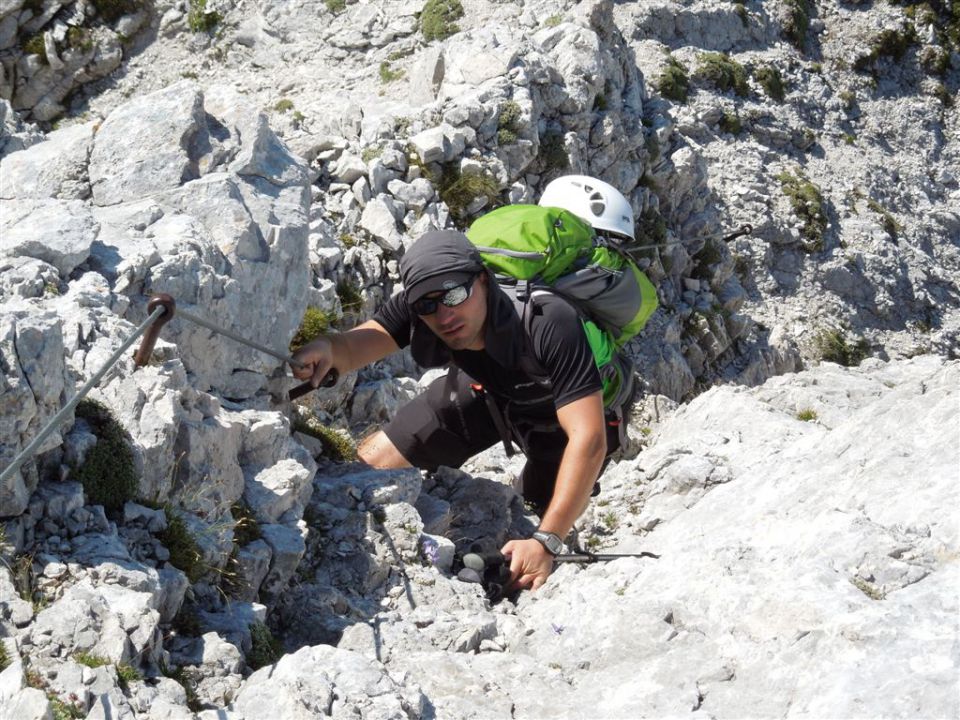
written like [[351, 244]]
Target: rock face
[[190, 545]]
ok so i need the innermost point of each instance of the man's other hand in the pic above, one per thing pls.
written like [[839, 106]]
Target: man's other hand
[[530, 564]]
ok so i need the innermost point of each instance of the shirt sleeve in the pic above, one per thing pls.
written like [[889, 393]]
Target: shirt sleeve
[[396, 319], [560, 344]]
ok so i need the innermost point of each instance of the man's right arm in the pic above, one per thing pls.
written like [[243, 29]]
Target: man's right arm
[[347, 351]]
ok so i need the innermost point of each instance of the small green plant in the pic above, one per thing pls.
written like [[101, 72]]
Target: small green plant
[[438, 19], [63, 710], [868, 589], [337, 445], [552, 155], [246, 528], [265, 648], [4, 657], [593, 543], [807, 415], [611, 520], [723, 72], [371, 152], [90, 660], [79, 39], [889, 43], [652, 227], [848, 98], [348, 240], [200, 20], [298, 118], [127, 674], [797, 22], [187, 621], [34, 45], [51, 288], [108, 472], [185, 554], [387, 75], [730, 123], [314, 324], [890, 224], [771, 81], [832, 346], [112, 10], [807, 203], [336, 6], [186, 681], [674, 83], [460, 191], [350, 298], [283, 105], [553, 21], [509, 122], [849, 139], [620, 591]]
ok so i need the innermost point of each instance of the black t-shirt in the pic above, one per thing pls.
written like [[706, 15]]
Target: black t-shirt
[[556, 339]]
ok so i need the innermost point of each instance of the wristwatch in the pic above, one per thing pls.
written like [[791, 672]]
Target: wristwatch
[[551, 541]]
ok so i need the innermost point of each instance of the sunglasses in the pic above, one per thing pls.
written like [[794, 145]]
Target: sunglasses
[[451, 298]]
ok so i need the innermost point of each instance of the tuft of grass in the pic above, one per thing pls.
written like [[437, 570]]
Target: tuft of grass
[[889, 43], [797, 22], [336, 445], [459, 191], [807, 415], [90, 660], [34, 45], [552, 154], [265, 648], [284, 105], [611, 520], [314, 324], [438, 19], [771, 81], [833, 346], [79, 39], [849, 139], [370, 152], [246, 528], [723, 72], [730, 123], [350, 298], [186, 680], [5, 659], [336, 6], [108, 473], [674, 83], [868, 589], [112, 10], [200, 20], [890, 224], [553, 21], [185, 554], [348, 240], [388, 75], [127, 674], [807, 203]]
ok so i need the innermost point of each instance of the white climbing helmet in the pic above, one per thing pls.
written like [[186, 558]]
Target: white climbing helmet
[[592, 200]]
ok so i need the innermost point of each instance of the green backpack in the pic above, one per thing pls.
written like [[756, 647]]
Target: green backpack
[[536, 249]]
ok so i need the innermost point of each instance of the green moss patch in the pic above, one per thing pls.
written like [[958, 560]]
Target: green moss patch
[[185, 554], [337, 445]]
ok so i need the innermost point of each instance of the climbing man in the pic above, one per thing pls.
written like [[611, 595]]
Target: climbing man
[[533, 381]]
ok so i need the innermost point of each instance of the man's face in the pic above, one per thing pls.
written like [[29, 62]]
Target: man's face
[[461, 327]]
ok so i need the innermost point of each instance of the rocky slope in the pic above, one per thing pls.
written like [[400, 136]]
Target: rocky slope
[[257, 160]]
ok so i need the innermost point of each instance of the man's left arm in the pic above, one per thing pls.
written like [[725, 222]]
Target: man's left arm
[[583, 422]]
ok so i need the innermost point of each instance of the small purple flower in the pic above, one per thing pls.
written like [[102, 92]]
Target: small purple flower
[[558, 629], [431, 550]]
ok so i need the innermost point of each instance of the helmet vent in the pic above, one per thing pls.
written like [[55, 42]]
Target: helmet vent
[[597, 207]]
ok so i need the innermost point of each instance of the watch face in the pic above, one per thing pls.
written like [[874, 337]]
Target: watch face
[[550, 541]]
